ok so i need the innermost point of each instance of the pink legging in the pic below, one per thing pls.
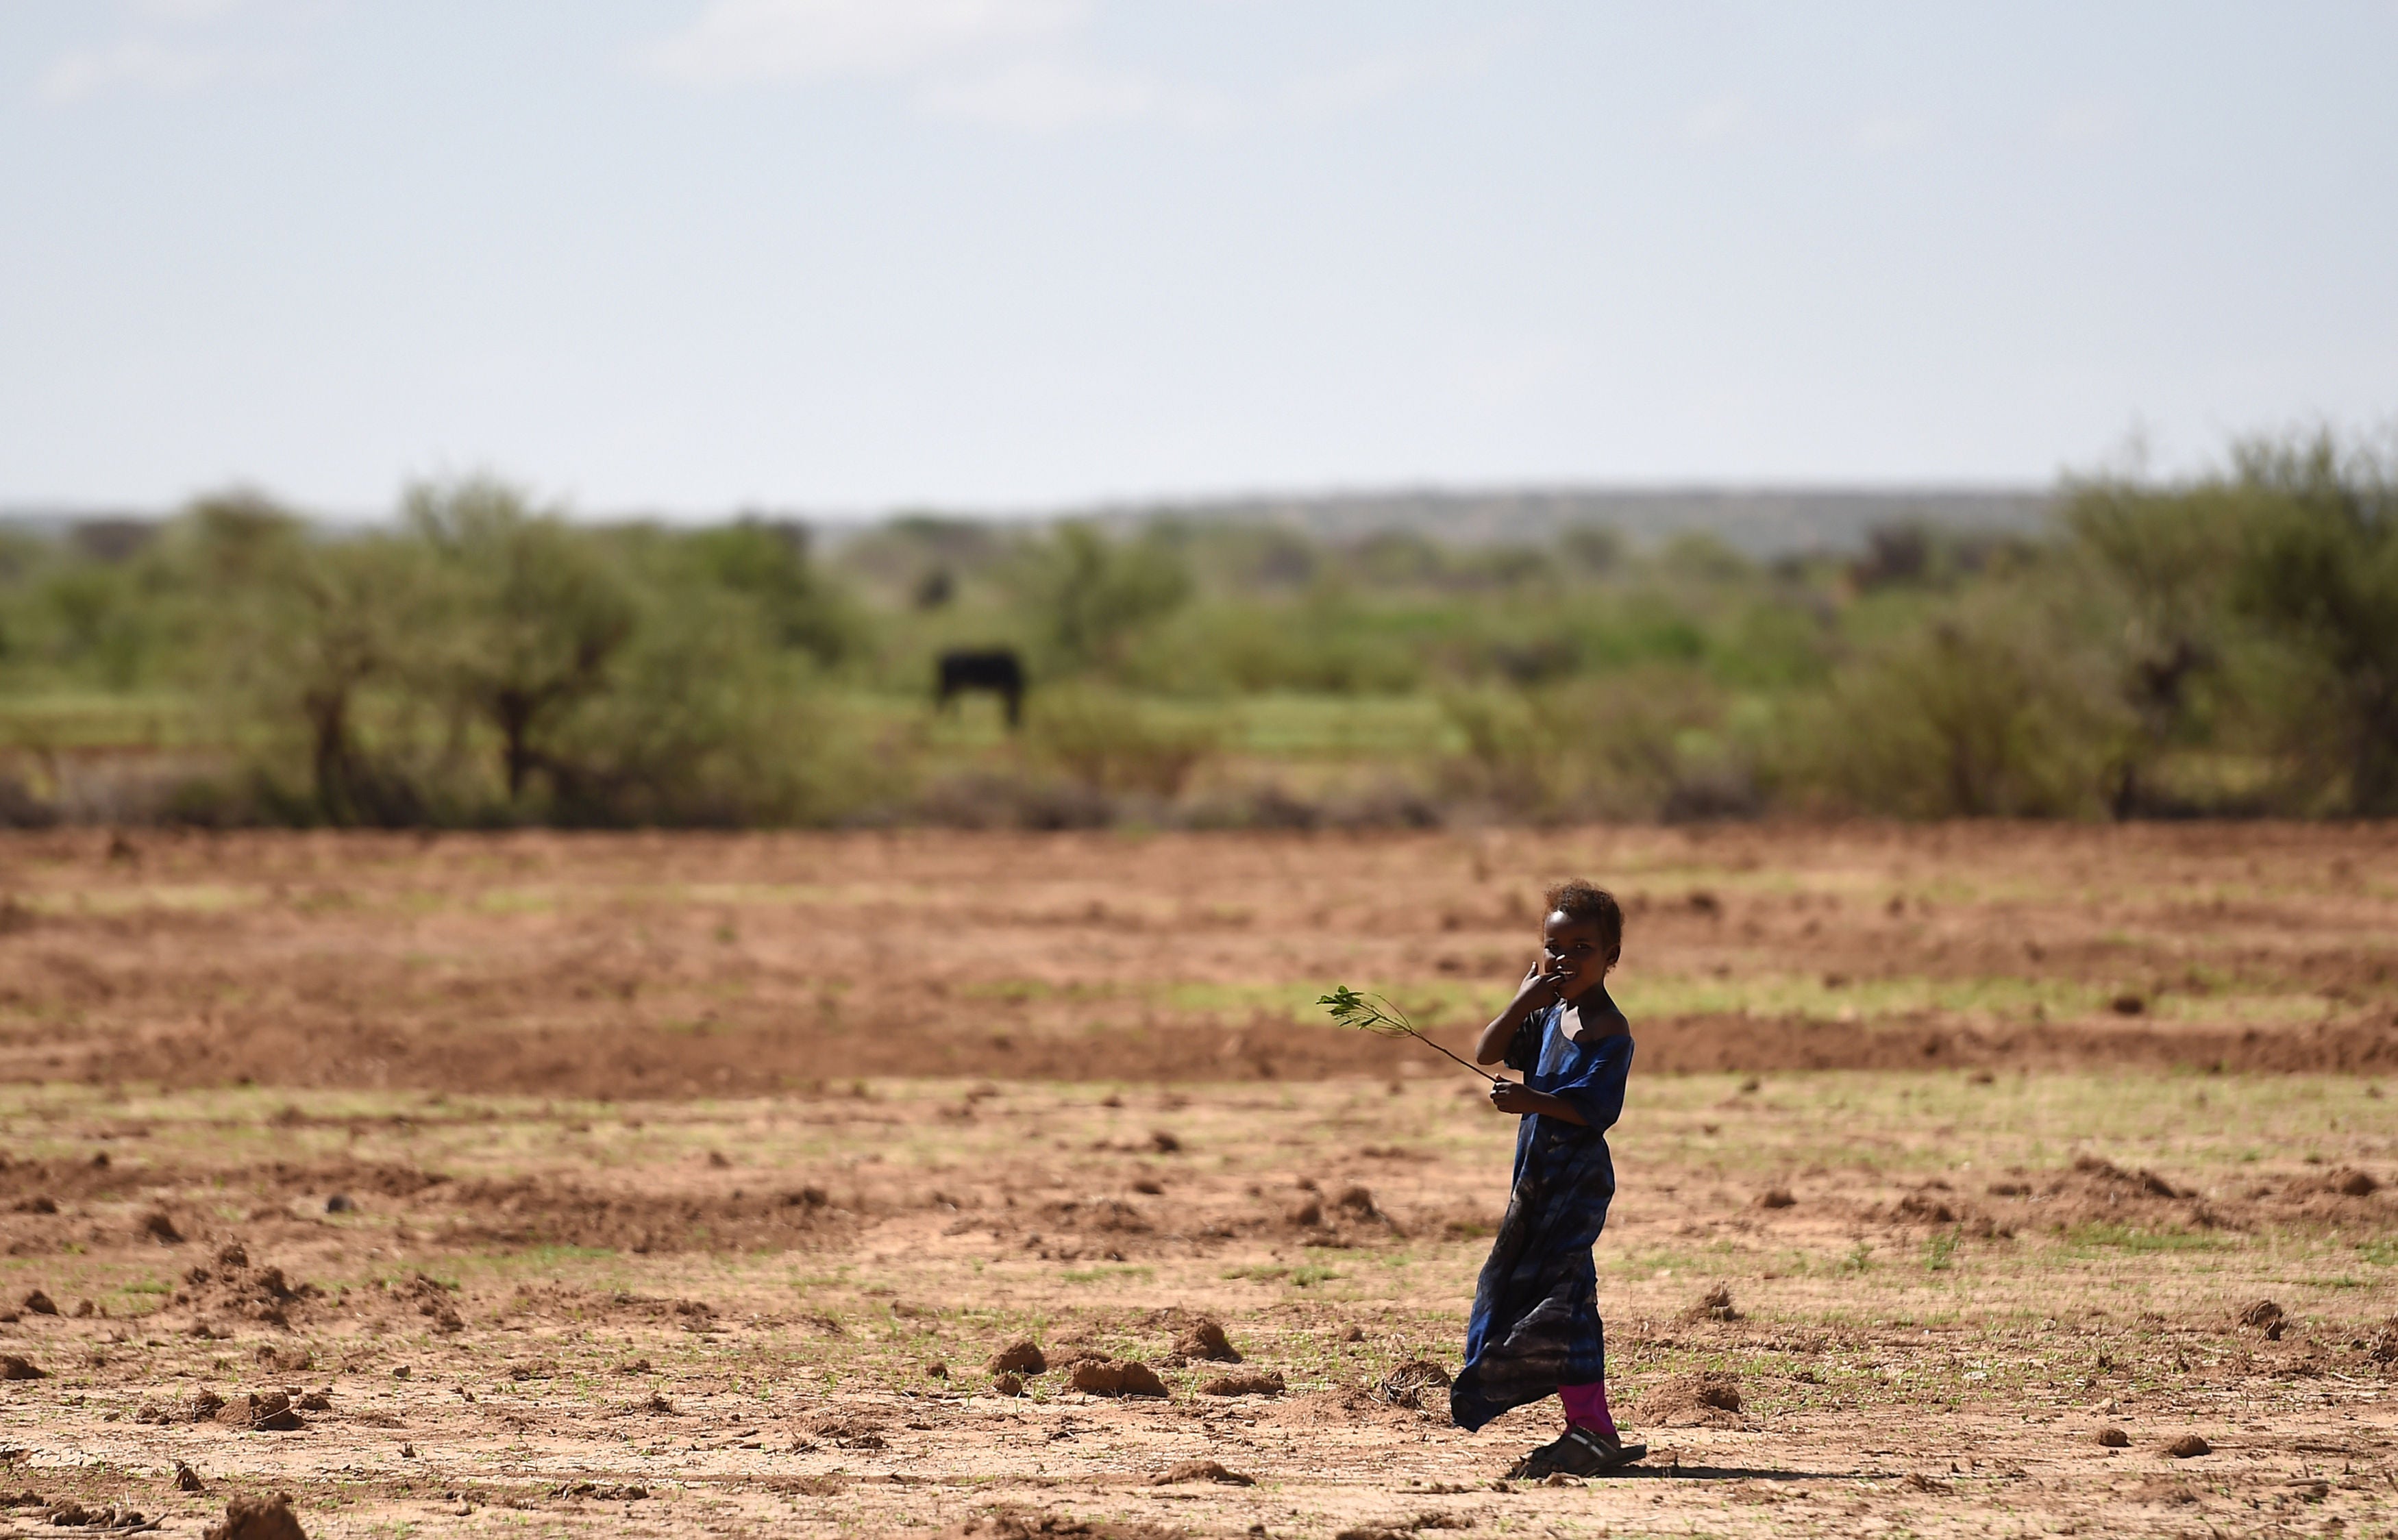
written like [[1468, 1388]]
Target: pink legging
[[1586, 1407]]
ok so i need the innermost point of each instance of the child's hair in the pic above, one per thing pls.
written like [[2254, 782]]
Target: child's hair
[[1580, 901]]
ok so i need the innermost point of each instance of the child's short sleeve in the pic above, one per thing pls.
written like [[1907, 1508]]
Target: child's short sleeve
[[1595, 1090]]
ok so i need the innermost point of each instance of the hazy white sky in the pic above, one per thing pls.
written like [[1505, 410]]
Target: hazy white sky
[[689, 254]]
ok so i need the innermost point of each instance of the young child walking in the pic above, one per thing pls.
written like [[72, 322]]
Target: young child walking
[[1535, 1330]]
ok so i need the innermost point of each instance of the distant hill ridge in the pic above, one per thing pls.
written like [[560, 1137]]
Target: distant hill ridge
[[1759, 521], [1763, 521]]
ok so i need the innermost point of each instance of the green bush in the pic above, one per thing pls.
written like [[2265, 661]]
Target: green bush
[[1624, 745], [1989, 710], [1090, 596], [2320, 575], [1321, 644], [1106, 742], [702, 727]]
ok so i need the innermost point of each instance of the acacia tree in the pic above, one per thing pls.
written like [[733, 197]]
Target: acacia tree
[[533, 615], [1092, 594], [767, 563], [2169, 555], [2320, 573], [301, 627]]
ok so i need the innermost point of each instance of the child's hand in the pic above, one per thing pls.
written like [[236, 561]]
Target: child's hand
[[1538, 986], [1513, 1096]]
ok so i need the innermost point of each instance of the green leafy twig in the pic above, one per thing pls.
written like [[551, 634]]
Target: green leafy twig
[[1376, 1014]]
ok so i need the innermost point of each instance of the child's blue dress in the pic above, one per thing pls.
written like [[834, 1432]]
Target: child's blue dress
[[1535, 1323]]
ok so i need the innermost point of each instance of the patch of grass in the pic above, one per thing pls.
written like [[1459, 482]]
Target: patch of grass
[[2381, 1253], [1104, 1274], [1939, 1250], [1312, 1274], [2126, 1237]]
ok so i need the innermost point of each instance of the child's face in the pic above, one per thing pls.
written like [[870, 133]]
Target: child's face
[[1574, 957]]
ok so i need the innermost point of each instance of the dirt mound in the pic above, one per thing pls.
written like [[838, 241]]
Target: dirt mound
[[1021, 1357], [2107, 1177], [230, 1290], [2165, 1491], [2345, 1197], [1360, 1404], [1247, 1382], [1357, 1203], [564, 1301], [1410, 1525], [844, 1427], [1935, 1205], [1204, 1470], [619, 1492], [1412, 1385], [267, 1517], [203, 1407], [350, 1179], [26, 1185], [1204, 1341], [288, 1360], [15, 1367], [70, 1514], [1095, 1216], [2091, 1191], [425, 1296], [550, 1212], [1024, 1524], [263, 1412], [1116, 1377], [1709, 1398], [1924, 1208], [1715, 1305]]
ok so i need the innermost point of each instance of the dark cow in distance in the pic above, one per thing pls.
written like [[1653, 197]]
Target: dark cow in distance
[[996, 669]]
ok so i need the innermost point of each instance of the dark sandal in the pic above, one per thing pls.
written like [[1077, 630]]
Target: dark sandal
[[1583, 1453], [1535, 1464]]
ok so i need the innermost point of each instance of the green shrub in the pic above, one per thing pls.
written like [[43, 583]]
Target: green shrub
[[1618, 745], [1321, 644], [2320, 575], [1090, 596], [1106, 742], [1984, 711]]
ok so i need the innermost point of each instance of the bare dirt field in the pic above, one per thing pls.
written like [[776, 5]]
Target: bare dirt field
[[542, 1183]]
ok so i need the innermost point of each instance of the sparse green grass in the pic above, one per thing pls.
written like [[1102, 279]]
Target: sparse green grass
[[1119, 1274], [2089, 1240]]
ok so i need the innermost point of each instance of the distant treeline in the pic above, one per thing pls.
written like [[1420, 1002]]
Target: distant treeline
[[2226, 645]]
